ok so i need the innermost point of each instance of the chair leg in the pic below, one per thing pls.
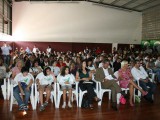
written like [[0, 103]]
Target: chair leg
[[11, 102], [80, 99], [55, 101], [101, 96], [118, 97], [77, 99], [58, 101], [109, 95]]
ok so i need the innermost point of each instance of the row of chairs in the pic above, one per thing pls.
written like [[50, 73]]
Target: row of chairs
[[56, 93]]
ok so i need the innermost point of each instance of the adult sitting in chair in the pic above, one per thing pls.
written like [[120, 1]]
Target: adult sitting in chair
[[141, 75], [23, 82], [126, 80], [85, 83], [105, 75]]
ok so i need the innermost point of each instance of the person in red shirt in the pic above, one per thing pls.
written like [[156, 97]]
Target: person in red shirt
[[98, 51], [60, 63]]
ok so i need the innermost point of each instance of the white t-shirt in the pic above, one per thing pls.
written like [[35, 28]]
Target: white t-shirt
[[91, 68], [49, 50], [35, 69], [62, 79], [20, 78], [55, 70], [45, 80]]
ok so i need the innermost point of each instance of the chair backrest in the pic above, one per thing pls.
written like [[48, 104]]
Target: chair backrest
[[116, 74]]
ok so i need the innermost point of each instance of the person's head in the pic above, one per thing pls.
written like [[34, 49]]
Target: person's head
[[78, 60], [24, 71], [54, 63], [101, 58], [46, 59], [106, 63], [72, 65], [89, 62], [47, 71], [118, 60], [60, 60], [35, 63], [65, 71], [124, 64], [19, 63], [137, 63], [84, 64]]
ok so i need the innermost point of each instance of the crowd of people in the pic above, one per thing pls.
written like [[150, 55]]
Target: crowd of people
[[46, 68]]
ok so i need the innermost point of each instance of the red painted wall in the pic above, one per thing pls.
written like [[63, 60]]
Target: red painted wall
[[65, 46]]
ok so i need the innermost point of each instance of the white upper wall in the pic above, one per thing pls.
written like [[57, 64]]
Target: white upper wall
[[75, 22]]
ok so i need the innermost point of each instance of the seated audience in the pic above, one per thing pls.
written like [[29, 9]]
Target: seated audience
[[60, 63], [105, 75], [139, 74], [126, 80], [66, 80], [44, 81], [22, 84], [85, 83], [35, 69], [55, 69], [117, 64]]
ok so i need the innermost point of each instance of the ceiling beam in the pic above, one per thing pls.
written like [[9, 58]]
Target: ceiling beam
[[130, 2], [151, 7], [115, 6], [114, 2], [145, 3]]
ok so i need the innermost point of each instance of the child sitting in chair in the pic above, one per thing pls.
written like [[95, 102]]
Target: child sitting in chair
[[66, 80]]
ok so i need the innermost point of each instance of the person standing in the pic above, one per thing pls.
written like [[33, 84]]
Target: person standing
[[6, 53]]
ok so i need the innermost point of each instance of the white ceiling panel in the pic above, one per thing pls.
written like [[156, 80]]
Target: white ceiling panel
[[136, 3], [149, 5], [108, 1], [121, 2]]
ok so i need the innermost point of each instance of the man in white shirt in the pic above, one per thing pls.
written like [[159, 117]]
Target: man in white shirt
[[22, 84], [6, 53], [141, 75]]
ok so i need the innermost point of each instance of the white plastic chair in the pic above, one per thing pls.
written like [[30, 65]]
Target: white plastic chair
[[60, 92], [12, 97], [3, 87], [81, 93], [53, 95], [101, 92]]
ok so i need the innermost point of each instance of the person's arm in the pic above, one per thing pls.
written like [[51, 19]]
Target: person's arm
[[143, 70], [10, 47], [20, 88], [29, 85], [98, 75], [77, 76], [13, 74]]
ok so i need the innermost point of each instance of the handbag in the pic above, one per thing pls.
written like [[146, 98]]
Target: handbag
[[122, 100]]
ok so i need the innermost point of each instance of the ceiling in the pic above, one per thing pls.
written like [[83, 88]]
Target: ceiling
[[133, 5]]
